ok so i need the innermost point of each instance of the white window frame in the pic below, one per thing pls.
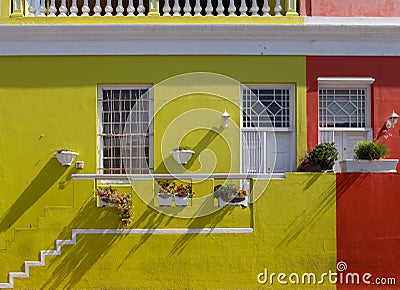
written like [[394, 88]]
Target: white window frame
[[100, 89], [337, 83], [263, 130]]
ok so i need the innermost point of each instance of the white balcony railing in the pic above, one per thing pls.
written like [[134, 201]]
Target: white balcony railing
[[135, 8]]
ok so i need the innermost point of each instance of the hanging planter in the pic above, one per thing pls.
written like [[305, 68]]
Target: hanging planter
[[65, 157], [182, 154]]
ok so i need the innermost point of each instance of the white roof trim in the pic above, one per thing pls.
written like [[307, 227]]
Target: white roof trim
[[318, 36], [354, 81]]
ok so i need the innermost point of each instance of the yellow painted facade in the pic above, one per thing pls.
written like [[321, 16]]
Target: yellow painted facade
[[56, 106]]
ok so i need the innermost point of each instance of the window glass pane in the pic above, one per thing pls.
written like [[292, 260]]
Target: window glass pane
[[264, 108], [344, 108], [124, 126]]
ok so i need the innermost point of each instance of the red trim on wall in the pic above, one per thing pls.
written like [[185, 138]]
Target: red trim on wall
[[368, 226], [385, 92]]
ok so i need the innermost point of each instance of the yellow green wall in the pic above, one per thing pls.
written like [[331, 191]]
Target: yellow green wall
[[51, 102]]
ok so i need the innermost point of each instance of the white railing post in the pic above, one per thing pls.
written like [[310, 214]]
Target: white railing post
[[109, 9], [52, 8], [130, 9], [63, 8], [176, 9], [209, 8], [266, 9], [85, 8], [120, 8], [73, 9], [166, 8], [197, 8], [254, 8], [220, 8], [291, 8], [42, 8], [97, 8], [243, 8], [232, 8], [187, 9], [32, 9], [140, 8], [278, 8]]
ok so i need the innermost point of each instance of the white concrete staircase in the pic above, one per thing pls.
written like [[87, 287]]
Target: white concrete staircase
[[41, 263]]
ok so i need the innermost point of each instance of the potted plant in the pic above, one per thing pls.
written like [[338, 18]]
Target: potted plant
[[182, 194], [165, 192], [230, 194], [321, 158], [65, 156], [123, 201], [369, 158], [182, 154]]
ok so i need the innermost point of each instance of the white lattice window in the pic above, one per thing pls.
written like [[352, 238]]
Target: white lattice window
[[268, 142], [267, 106], [125, 129], [345, 108], [344, 113]]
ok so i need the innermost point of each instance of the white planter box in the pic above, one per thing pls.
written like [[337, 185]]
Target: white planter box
[[381, 165], [103, 203], [66, 157], [181, 201], [182, 156], [245, 202], [164, 199]]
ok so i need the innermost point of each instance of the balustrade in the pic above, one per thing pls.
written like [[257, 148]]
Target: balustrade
[[164, 8]]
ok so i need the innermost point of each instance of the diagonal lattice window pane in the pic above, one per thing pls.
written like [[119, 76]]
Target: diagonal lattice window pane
[[343, 108]]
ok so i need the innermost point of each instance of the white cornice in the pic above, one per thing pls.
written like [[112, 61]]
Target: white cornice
[[318, 36], [353, 81]]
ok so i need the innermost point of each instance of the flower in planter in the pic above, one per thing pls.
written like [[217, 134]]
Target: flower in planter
[[321, 157], [230, 193], [166, 188], [184, 191], [370, 150], [122, 200]]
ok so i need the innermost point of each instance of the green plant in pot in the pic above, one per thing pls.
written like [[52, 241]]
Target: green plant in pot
[[321, 157], [370, 150]]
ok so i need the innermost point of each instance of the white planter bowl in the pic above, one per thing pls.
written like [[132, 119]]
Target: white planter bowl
[[181, 201], [164, 199], [381, 165], [182, 156], [66, 157]]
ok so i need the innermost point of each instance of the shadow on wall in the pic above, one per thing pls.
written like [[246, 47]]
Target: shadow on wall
[[46, 178], [198, 148], [152, 219], [316, 210], [80, 258]]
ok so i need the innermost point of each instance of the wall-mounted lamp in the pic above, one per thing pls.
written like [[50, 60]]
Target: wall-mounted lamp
[[225, 118], [392, 120]]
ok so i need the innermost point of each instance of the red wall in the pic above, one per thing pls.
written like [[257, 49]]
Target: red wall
[[382, 8], [368, 226], [385, 92]]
